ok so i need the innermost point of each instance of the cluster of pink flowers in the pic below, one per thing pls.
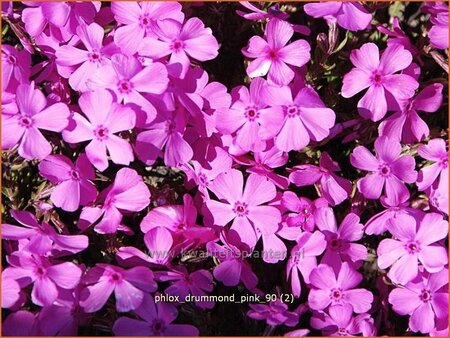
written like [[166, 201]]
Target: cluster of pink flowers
[[120, 90]]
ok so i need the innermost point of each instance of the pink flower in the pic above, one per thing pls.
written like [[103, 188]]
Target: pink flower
[[128, 79], [398, 36], [337, 321], [128, 287], [413, 242], [87, 61], [330, 288], [438, 33], [179, 41], [333, 188], [157, 321], [166, 131], [340, 248], [406, 125], [274, 313], [47, 278], [257, 14], [104, 119], [388, 170], [386, 89], [43, 239], [128, 193], [23, 127], [425, 299], [73, 182], [10, 292], [296, 121], [436, 152], [304, 258], [349, 15], [251, 220], [273, 55], [139, 19], [15, 67]]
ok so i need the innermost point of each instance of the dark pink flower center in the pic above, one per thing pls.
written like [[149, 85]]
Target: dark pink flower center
[[425, 296], [26, 121], [124, 86], [385, 170], [94, 56], [101, 133], [335, 244], [202, 180], [273, 54], [251, 113], [412, 247], [115, 277], [74, 174], [240, 208], [158, 326], [377, 78], [144, 20], [443, 163], [40, 271], [336, 294], [181, 226], [177, 45], [11, 60], [170, 126], [292, 111], [342, 331]]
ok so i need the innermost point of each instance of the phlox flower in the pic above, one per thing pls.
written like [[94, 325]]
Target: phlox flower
[[128, 287], [15, 67], [398, 36], [23, 127], [436, 152], [257, 14], [180, 40], [425, 299], [184, 283], [47, 277], [233, 268], [251, 219], [10, 292], [138, 19], [296, 120], [330, 288], [338, 321], [127, 193], [406, 125], [43, 238], [438, 33], [303, 258], [166, 131], [273, 54], [128, 79], [413, 242], [388, 170], [87, 60], [156, 321], [386, 89], [340, 248], [333, 188], [274, 313], [104, 119], [73, 181], [349, 15]]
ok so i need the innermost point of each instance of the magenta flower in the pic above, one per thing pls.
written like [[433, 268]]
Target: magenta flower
[[386, 89], [139, 19], [349, 15], [104, 119], [303, 258], [436, 152], [256, 14], [86, 61], [340, 248], [330, 288], [232, 268], [180, 40], [333, 188], [412, 244], [338, 321], [43, 238], [166, 131], [39, 15], [274, 313], [296, 121], [273, 55], [406, 125], [128, 79], [425, 299], [128, 287], [23, 127], [183, 284], [15, 67], [47, 278], [438, 33], [388, 170], [73, 182], [251, 219], [157, 321], [398, 36]]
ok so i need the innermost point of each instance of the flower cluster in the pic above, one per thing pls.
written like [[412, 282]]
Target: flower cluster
[[164, 150]]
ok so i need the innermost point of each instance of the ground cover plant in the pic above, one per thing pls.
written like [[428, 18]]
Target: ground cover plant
[[218, 168]]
